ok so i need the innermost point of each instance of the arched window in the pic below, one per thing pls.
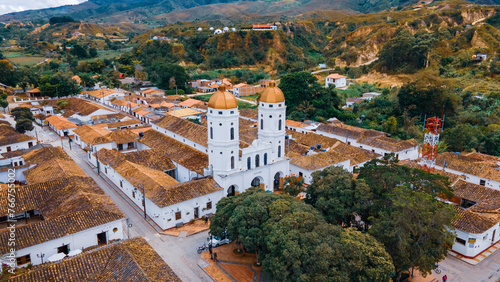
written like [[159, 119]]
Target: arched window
[[232, 162], [232, 133], [261, 124], [279, 124], [279, 151], [265, 158], [257, 161], [249, 163], [211, 133]]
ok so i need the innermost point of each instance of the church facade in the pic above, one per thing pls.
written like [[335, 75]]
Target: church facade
[[263, 162]]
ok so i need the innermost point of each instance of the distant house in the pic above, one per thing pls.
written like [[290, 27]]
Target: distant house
[[336, 79], [148, 92], [200, 29], [35, 92], [11, 140], [370, 95], [479, 57], [217, 31], [243, 89], [225, 29], [262, 27], [62, 126], [350, 102]]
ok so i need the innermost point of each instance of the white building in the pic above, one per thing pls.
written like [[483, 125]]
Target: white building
[[200, 29], [59, 217], [336, 79], [11, 140], [61, 125], [477, 168], [372, 140], [167, 201], [225, 29], [217, 31], [478, 223]]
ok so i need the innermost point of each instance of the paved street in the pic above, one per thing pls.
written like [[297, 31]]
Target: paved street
[[460, 271]]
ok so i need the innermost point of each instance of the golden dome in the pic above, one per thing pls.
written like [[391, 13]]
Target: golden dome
[[222, 99], [272, 94]]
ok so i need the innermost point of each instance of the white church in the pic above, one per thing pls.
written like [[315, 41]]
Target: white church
[[263, 163]]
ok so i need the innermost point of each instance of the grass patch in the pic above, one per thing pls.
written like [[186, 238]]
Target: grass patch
[[20, 59], [250, 97]]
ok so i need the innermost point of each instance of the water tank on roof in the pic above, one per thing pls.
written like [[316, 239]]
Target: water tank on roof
[[141, 134], [388, 135], [312, 148], [324, 150], [318, 146]]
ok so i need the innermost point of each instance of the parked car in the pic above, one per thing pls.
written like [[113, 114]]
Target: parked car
[[219, 242]]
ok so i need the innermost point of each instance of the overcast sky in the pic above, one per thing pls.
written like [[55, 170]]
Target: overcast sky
[[8, 6]]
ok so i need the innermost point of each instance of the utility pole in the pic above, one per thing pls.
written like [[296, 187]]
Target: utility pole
[[144, 200]]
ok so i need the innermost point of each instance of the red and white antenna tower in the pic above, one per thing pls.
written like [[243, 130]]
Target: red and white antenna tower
[[431, 140]]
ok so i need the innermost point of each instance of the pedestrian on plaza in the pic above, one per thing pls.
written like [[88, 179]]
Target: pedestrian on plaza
[[445, 278], [210, 250], [206, 219], [215, 257]]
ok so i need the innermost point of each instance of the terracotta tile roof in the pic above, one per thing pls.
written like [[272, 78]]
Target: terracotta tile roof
[[34, 90], [337, 151], [8, 135], [1, 115], [184, 128], [152, 158], [51, 163], [120, 137], [487, 199], [249, 113], [40, 116], [123, 123], [109, 116], [103, 92], [159, 187], [119, 102], [185, 191], [152, 90], [343, 130], [139, 129], [184, 112], [474, 222], [368, 137], [166, 105], [180, 153], [44, 154], [142, 112], [139, 109], [476, 164], [77, 105], [335, 76], [88, 133], [388, 143], [4, 122], [294, 123], [60, 122], [131, 260], [67, 205], [190, 102]]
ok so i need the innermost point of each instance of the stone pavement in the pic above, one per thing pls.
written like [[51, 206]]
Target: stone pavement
[[189, 228], [486, 253], [232, 267]]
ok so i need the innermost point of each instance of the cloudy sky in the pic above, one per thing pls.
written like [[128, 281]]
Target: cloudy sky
[[8, 6]]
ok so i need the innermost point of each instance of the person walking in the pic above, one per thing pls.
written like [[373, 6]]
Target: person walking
[[445, 278], [206, 219], [210, 250], [215, 257]]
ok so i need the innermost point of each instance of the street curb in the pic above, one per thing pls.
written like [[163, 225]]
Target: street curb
[[206, 273]]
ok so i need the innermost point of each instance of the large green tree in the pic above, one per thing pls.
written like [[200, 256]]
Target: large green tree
[[338, 196], [21, 113], [391, 199], [295, 243], [58, 85], [306, 98], [161, 73], [23, 125], [414, 229]]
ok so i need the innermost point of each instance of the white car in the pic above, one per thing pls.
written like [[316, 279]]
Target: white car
[[219, 242]]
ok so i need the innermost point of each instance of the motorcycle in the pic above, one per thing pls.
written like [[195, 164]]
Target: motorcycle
[[202, 248]]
